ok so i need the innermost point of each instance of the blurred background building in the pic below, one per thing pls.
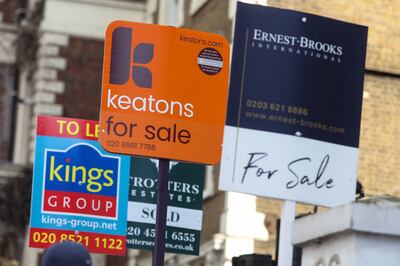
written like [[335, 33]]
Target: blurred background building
[[51, 64]]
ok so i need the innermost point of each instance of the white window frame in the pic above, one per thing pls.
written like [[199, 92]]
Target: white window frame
[[209, 188], [195, 5], [23, 123], [172, 13]]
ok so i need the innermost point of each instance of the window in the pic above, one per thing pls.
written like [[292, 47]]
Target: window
[[171, 13]]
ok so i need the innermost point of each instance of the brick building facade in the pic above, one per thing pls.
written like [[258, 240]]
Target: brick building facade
[[378, 161], [7, 73], [51, 57], [56, 70], [12, 177]]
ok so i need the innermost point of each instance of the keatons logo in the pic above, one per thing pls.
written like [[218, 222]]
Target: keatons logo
[[296, 45], [123, 66]]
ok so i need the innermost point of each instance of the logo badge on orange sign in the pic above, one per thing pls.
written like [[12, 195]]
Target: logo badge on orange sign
[[164, 92]]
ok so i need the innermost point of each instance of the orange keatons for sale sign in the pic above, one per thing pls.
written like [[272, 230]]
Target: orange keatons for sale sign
[[164, 92]]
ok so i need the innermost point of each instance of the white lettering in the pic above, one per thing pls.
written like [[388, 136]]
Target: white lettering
[[257, 34], [54, 203], [109, 205], [110, 100], [166, 107], [140, 99], [81, 203], [150, 104], [188, 110], [124, 100], [66, 202]]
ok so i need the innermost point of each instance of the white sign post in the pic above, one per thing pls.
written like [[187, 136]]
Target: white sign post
[[288, 214]]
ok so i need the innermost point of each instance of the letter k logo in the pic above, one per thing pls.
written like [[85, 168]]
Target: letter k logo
[[122, 62]]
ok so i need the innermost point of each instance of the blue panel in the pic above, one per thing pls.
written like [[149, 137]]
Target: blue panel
[[297, 72]]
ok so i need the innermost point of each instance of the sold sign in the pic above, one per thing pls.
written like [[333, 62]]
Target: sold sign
[[164, 92]]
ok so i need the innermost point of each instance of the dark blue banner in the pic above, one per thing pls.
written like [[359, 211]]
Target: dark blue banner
[[82, 169], [297, 74]]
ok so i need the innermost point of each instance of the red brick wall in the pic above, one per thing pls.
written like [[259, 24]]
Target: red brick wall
[[212, 209], [82, 78], [212, 17], [8, 7]]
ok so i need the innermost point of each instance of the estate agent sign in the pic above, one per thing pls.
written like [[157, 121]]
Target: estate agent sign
[[164, 92], [184, 215], [294, 108], [79, 190]]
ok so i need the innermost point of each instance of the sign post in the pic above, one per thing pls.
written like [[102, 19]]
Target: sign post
[[155, 79], [294, 110], [161, 217], [285, 255]]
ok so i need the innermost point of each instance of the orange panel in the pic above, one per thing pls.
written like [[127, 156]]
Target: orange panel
[[164, 92]]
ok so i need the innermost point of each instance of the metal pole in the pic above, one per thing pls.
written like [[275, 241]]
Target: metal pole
[[161, 213], [285, 257]]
